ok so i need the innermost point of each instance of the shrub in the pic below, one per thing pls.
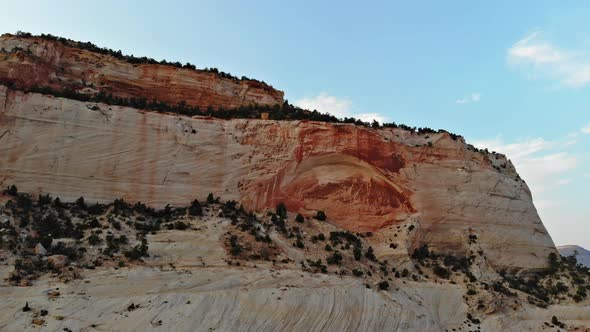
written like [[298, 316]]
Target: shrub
[[500, 288], [236, 248], [335, 259], [181, 225], [211, 199], [24, 201], [96, 209], [94, 239], [12, 191], [94, 223], [553, 262], [44, 199], [121, 207], [321, 216], [281, 210], [318, 264], [279, 222], [556, 322], [81, 203], [370, 254], [116, 225], [421, 252], [138, 251], [441, 272], [383, 285], [405, 273], [62, 249], [357, 253], [195, 209], [57, 203], [299, 244], [299, 218]]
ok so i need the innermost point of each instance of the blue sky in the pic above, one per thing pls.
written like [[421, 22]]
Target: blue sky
[[510, 75]]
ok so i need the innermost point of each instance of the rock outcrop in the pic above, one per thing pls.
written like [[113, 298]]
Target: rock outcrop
[[34, 62], [364, 179]]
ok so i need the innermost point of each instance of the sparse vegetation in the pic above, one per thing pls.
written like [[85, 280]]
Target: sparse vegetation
[[299, 218], [321, 216], [130, 58], [247, 239], [383, 285]]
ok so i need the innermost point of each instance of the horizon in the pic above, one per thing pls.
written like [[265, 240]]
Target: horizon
[[506, 81]]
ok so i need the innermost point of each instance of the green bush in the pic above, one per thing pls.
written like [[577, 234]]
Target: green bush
[[195, 209], [321, 216], [335, 259], [281, 210], [299, 218], [441, 272]]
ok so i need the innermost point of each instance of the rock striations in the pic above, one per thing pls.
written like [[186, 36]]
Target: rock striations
[[365, 179]]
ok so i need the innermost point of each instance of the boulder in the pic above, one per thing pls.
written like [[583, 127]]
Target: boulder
[[58, 261]]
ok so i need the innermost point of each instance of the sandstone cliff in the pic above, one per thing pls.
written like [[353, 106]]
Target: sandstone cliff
[[365, 179], [35, 62]]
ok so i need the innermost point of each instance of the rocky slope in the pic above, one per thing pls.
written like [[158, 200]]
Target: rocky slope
[[365, 179], [192, 278], [581, 254], [35, 62]]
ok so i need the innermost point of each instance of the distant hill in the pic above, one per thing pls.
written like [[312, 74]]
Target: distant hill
[[582, 254]]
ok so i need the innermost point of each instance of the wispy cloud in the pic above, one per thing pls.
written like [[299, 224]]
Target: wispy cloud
[[540, 58], [586, 129], [473, 98], [542, 164], [340, 107]]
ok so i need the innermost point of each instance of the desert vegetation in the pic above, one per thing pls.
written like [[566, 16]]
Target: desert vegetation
[[46, 235]]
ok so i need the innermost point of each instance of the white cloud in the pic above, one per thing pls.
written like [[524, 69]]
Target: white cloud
[[369, 117], [536, 161], [473, 98], [337, 106], [586, 129], [538, 57]]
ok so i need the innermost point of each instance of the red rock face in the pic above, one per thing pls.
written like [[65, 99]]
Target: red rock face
[[346, 171], [35, 62]]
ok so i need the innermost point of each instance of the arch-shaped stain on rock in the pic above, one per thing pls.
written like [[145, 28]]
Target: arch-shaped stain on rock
[[355, 194]]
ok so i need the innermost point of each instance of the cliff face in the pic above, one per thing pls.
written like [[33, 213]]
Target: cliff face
[[364, 179], [35, 62]]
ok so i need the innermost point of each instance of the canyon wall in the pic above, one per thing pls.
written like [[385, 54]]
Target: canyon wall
[[364, 179], [35, 62]]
